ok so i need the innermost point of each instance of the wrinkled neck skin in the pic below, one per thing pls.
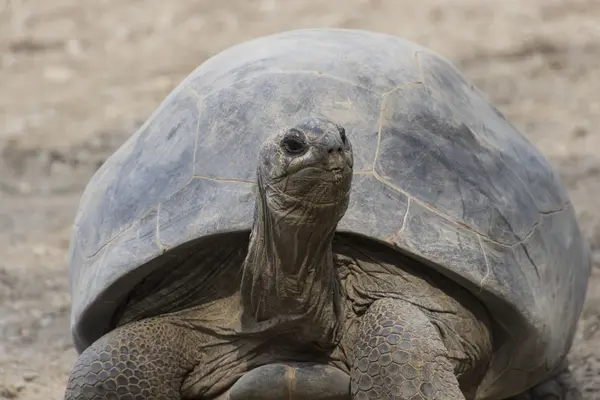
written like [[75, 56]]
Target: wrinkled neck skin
[[289, 279]]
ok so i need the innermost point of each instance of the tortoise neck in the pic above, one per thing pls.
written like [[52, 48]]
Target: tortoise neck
[[289, 273]]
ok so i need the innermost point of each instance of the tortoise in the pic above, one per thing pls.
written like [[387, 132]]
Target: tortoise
[[326, 214]]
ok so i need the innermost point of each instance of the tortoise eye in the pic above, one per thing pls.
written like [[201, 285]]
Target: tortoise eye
[[293, 145]]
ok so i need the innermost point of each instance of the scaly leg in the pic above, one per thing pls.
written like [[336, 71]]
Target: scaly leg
[[400, 356], [148, 359]]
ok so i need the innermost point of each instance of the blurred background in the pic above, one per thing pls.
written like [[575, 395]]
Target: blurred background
[[77, 77]]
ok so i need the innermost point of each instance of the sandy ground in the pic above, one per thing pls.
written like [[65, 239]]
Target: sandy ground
[[77, 77]]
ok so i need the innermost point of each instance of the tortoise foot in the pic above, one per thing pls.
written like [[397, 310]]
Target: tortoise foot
[[561, 386]]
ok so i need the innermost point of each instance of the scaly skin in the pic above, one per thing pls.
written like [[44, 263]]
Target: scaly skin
[[145, 360]]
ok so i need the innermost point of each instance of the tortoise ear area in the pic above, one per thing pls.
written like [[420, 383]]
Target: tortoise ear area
[[271, 161]]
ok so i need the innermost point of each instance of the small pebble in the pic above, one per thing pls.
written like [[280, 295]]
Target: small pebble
[[30, 376]]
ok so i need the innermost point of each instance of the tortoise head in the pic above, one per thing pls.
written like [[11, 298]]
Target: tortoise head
[[305, 172]]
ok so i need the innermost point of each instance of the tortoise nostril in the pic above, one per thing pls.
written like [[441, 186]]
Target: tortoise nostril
[[339, 150], [330, 151]]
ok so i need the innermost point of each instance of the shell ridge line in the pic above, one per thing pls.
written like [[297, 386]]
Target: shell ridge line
[[194, 91], [395, 236], [117, 235], [379, 128], [96, 271], [483, 139], [380, 117], [223, 180], [326, 75], [200, 107], [528, 255], [526, 171], [487, 264], [543, 214], [477, 135], [290, 377], [417, 56], [423, 80], [535, 299], [290, 72], [463, 225], [144, 215], [422, 203], [157, 232], [402, 86]]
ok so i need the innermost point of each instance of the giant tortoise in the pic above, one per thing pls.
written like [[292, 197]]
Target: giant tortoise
[[238, 246]]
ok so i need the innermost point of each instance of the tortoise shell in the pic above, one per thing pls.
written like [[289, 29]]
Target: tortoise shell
[[439, 174]]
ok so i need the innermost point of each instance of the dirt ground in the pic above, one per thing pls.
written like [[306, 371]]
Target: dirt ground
[[77, 77]]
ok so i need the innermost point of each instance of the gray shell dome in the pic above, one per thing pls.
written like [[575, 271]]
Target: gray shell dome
[[439, 173]]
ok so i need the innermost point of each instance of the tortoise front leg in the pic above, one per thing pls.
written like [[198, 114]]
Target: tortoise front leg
[[400, 356], [141, 360]]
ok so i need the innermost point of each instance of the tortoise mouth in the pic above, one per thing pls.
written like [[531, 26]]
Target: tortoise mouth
[[312, 186], [322, 173]]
